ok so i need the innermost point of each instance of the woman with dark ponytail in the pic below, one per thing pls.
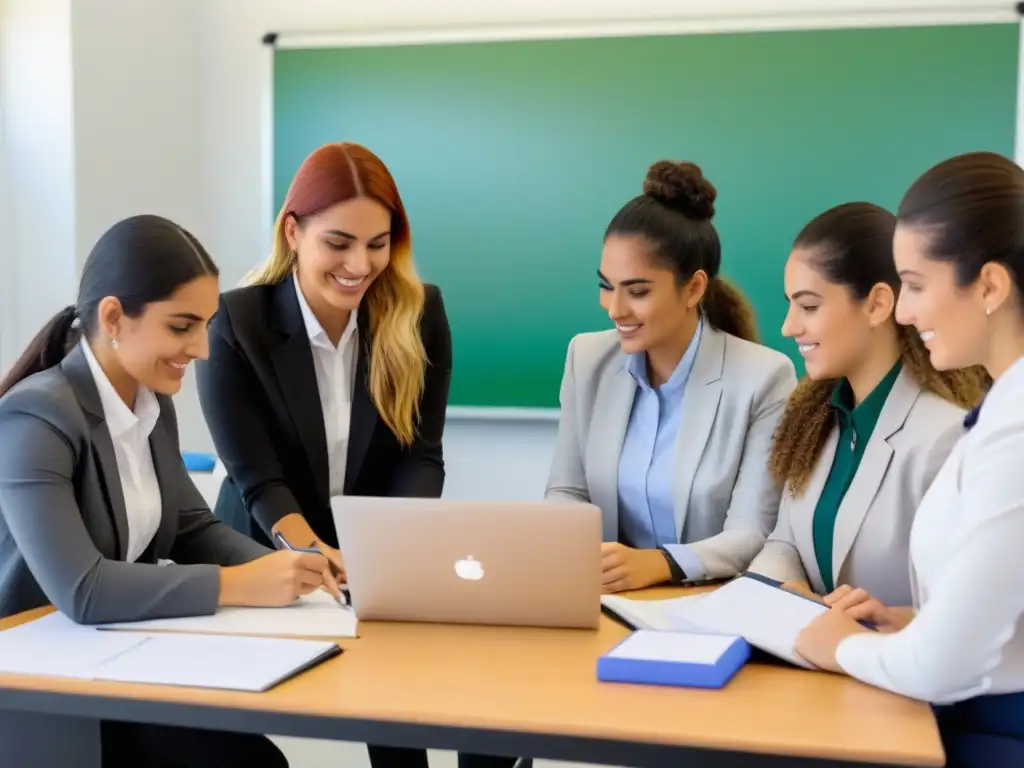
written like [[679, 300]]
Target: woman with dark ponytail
[[866, 431], [666, 421], [93, 490]]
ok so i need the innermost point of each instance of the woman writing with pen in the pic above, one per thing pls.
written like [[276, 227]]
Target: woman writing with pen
[[93, 490]]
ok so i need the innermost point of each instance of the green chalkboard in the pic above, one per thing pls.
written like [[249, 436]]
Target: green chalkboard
[[512, 157]]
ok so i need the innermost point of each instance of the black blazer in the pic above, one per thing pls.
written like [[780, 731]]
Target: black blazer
[[259, 396]]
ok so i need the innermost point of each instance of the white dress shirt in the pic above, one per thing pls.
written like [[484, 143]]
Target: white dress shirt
[[335, 379], [129, 433], [967, 570]]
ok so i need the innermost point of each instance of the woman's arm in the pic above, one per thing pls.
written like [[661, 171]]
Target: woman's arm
[[779, 558], [566, 479], [420, 473], [40, 507], [947, 651], [754, 504], [238, 425]]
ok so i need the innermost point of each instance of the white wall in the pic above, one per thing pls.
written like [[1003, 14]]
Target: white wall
[[165, 113], [39, 271]]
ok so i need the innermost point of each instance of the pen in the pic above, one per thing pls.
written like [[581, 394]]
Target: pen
[[343, 596]]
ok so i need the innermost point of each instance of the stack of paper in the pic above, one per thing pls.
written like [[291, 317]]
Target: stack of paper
[[314, 615], [54, 645], [764, 615]]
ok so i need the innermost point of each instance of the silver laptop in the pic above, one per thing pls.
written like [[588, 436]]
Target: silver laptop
[[522, 563]]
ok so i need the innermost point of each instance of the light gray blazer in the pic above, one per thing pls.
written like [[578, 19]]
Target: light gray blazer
[[725, 503], [63, 525], [915, 433]]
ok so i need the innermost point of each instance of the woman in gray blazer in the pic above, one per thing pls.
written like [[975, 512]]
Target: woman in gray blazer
[[666, 421], [865, 433], [93, 490]]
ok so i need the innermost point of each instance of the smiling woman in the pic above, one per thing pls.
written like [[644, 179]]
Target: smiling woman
[[328, 374], [866, 431], [666, 420]]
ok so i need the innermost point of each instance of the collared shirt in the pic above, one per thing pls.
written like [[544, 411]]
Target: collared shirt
[[966, 637], [855, 427], [129, 432], [335, 369], [647, 463]]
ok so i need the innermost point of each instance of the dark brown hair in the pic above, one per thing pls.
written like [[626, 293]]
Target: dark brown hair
[[674, 215], [974, 206], [138, 261], [851, 245]]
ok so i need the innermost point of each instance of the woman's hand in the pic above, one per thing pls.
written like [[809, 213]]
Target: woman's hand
[[861, 606], [273, 580], [819, 640], [334, 574], [624, 568], [801, 588]]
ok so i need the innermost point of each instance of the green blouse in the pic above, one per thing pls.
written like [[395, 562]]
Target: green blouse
[[855, 428]]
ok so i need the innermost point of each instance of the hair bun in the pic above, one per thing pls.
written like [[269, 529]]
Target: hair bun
[[682, 187]]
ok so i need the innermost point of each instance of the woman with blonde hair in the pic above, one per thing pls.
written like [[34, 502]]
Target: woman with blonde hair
[[329, 371]]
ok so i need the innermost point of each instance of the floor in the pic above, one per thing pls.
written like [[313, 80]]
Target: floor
[[307, 753]]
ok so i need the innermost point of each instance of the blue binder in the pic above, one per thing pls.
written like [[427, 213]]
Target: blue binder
[[199, 462], [685, 659]]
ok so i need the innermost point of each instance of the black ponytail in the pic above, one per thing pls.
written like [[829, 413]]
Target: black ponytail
[[138, 261], [44, 351]]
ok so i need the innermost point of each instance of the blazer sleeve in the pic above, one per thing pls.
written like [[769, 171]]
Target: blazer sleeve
[[567, 480], [974, 607], [754, 504], [201, 537], [227, 383], [779, 558], [420, 472], [39, 502]]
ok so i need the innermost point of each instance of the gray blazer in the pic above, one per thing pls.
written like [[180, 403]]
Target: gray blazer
[[915, 433], [725, 504], [63, 525]]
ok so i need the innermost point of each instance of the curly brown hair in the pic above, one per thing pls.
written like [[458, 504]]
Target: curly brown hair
[[807, 420], [851, 245]]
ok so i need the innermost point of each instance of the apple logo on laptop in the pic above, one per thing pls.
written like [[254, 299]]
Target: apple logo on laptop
[[469, 569]]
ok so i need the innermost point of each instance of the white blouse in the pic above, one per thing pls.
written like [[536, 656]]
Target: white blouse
[[335, 369], [967, 570], [129, 433]]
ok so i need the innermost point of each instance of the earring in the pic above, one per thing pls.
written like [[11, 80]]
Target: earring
[[115, 343], [988, 311]]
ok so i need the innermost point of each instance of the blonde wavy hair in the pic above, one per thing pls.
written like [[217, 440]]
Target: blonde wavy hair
[[333, 174]]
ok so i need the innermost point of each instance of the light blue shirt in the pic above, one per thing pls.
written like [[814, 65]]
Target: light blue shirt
[[647, 464]]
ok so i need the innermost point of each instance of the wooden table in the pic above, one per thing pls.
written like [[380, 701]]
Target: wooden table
[[524, 692]]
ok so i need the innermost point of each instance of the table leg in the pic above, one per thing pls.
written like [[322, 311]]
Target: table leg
[[49, 740]]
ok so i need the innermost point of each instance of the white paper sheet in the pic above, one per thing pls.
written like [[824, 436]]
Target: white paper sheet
[[210, 661], [768, 617], [314, 615], [55, 645], [681, 647], [648, 614]]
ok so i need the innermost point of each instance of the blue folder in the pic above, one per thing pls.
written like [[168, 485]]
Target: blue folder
[[685, 659], [199, 462]]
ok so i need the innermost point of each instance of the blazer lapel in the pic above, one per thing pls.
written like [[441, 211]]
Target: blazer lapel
[[364, 413], [801, 517], [76, 368], [293, 364], [701, 396], [164, 460], [612, 406], [871, 472]]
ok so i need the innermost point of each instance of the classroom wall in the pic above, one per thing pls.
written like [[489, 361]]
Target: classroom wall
[[133, 105]]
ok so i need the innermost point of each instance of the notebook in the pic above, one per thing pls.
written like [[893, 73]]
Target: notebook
[[55, 646], [750, 606], [674, 658], [314, 615]]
